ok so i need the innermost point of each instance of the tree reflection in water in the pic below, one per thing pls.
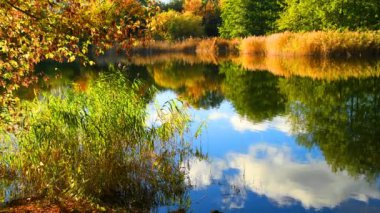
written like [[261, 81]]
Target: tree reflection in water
[[337, 111], [340, 117]]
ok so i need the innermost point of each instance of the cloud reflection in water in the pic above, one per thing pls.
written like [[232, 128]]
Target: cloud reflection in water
[[271, 171]]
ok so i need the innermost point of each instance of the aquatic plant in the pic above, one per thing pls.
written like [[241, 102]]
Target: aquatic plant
[[96, 146]]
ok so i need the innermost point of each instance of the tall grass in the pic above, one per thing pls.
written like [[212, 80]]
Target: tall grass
[[317, 44], [96, 145], [158, 47], [210, 47], [217, 47], [328, 44]]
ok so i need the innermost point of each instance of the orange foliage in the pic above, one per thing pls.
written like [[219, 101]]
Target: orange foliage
[[193, 6]]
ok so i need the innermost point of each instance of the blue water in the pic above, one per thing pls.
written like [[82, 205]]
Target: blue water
[[259, 167]]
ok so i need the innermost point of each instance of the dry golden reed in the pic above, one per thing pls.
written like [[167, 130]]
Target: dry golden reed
[[216, 46], [209, 50], [317, 43]]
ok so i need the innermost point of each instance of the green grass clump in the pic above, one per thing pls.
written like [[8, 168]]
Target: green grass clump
[[96, 145]]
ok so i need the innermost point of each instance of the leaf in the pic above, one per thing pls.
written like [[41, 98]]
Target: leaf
[[71, 59]]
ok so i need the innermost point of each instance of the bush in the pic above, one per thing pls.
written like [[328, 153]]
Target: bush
[[173, 25]]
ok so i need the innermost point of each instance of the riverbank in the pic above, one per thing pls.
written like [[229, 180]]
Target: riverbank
[[329, 44], [206, 47]]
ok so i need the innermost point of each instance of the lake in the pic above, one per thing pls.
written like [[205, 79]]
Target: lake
[[277, 134]]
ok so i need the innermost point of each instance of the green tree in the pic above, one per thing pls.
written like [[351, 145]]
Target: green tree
[[248, 17], [330, 14]]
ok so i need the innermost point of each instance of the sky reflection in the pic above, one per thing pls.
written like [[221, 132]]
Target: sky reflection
[[259, 166], [271, 171]]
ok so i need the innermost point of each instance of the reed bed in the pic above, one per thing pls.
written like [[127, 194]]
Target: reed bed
[[218, 47], [158, 47], [317, 44], [209, 47]]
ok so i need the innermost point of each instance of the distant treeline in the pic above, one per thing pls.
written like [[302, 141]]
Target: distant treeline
[[241, 18]]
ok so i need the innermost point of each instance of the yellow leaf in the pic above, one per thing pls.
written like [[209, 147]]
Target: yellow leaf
[[71, 59]]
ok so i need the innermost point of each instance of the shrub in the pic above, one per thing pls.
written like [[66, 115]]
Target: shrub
[[173, 25]]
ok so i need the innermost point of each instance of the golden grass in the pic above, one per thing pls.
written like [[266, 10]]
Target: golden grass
[[218, 46], [157, 47], [318, 43], [210, 50], [328, 55], [253, 45]]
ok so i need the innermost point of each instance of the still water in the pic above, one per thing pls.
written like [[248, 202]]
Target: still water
[[278, 135]]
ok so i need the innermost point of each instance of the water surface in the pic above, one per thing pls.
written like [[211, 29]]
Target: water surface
[[280, 135]]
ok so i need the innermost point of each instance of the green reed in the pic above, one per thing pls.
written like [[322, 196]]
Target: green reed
[[96, 146]]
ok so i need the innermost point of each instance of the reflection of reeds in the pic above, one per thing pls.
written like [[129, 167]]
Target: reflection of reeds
[[326, 44], [322, 68]]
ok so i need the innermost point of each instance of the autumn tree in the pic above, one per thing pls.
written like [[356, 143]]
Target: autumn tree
[[173, 25], [33, 31], [209, 10], [193, 6]]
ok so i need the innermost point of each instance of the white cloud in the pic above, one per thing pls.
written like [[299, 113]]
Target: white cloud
[[218, 116], [242, 124], [272, 172], [279, 123], [200, 172]]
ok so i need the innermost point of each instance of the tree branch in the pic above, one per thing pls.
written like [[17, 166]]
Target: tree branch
[[21, 10]]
